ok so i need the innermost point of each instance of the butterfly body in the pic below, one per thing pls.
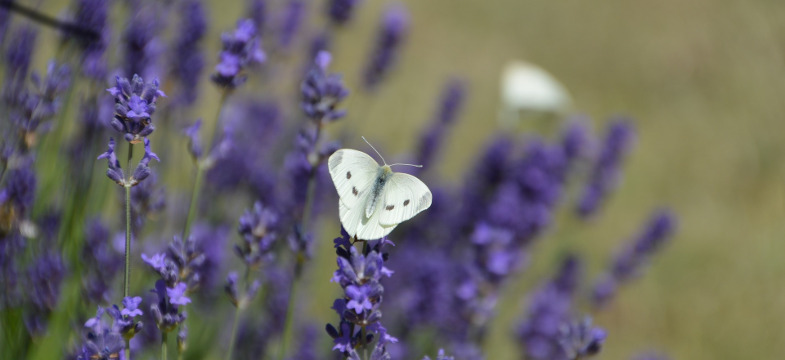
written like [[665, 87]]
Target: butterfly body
[[373, 198]]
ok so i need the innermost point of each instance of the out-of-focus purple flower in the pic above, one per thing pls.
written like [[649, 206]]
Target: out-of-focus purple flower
[[5, 16], [306, 349], [257, 10], [188, 61], [141, 47], [258, 229], [322, 92], [19, 190], [632, 258], [177, 294], [440, 356], [102, 262], [240, 50], [194, 143], [92, 15], [576, 140], [340, 11], [452, 99], [148, 200], [207, 253], [580, 339], [44, 280], [291, 22], [392, 33], [18, 55], [49, 88], [550, 309], [605, 174], [134, 106]]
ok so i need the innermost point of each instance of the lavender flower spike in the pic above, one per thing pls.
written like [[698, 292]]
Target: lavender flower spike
[[134, 107], [391, 35], [340, 11], [240, 50], [114, 172], [322, 92], [630, 261], [605, 174], [188, 61]]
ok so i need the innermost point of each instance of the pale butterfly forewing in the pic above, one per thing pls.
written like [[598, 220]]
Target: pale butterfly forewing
[[371, 228], [352, 172], [404, 196]]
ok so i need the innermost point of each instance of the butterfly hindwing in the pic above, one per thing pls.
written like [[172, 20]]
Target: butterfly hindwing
[[370, 228], [403, 197], [352, 172]]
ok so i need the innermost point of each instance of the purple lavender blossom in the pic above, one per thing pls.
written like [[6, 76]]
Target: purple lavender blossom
[[188, 61], [194, 142], [257, 10], [581, 339], [258, 228], [134, 107], [102, 262], [19, 191], [141, 47], [114, 172], [142, 170], [359, 274], [240, 50], [340, 11], [322, 92], [576, 140], [166, 314], [50, 87], [18, 55], [100, 341], [550, 309], [291, 22], [92, 15], [392, 33], [131, 306], [606, 171], [44, 280], [177, 294], [452, 99], [629, 262]]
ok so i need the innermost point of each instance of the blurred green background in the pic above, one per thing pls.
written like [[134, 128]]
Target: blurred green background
[[705, 82]]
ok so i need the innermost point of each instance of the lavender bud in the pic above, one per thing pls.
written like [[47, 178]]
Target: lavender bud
[[321, 93], [240, 50], [392, 33], [340, 11], [134, 107], [293, 16]]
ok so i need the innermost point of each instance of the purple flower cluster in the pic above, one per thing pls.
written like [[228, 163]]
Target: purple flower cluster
[[629, 262], [240, 50], [102, 341], [258, 229], [392, 33], [102, 261], [115, 172], [360, 275], [322, 92], [134, 107], [340, 11], [450, 104], [605, 174], [188, 61], [291, 22], [92, 16]]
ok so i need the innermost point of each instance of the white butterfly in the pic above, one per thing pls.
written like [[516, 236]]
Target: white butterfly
[[373, 198]]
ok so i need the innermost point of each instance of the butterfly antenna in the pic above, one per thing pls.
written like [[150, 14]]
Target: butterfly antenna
[[374, 149], [417, 166]]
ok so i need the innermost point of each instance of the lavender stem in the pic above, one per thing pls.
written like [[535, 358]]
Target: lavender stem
[[164, 337], [234, 332], [127, 277]]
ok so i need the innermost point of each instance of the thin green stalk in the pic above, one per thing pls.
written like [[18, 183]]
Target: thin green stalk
[[128, 349], [164, 337], [235, 325], [287, 329], [127, 277]]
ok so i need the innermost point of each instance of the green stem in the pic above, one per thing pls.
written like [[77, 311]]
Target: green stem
[[287, 328], [128, 349], [127, 277], [164, 337], [235, 325]]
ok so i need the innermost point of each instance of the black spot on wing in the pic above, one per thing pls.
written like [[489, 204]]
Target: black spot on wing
[[354, 191], [389, 207], [348, 175], [406, 202]]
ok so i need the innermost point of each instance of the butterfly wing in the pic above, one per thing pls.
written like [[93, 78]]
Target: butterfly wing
[[403, 197], [356, 223], [352, 172]]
